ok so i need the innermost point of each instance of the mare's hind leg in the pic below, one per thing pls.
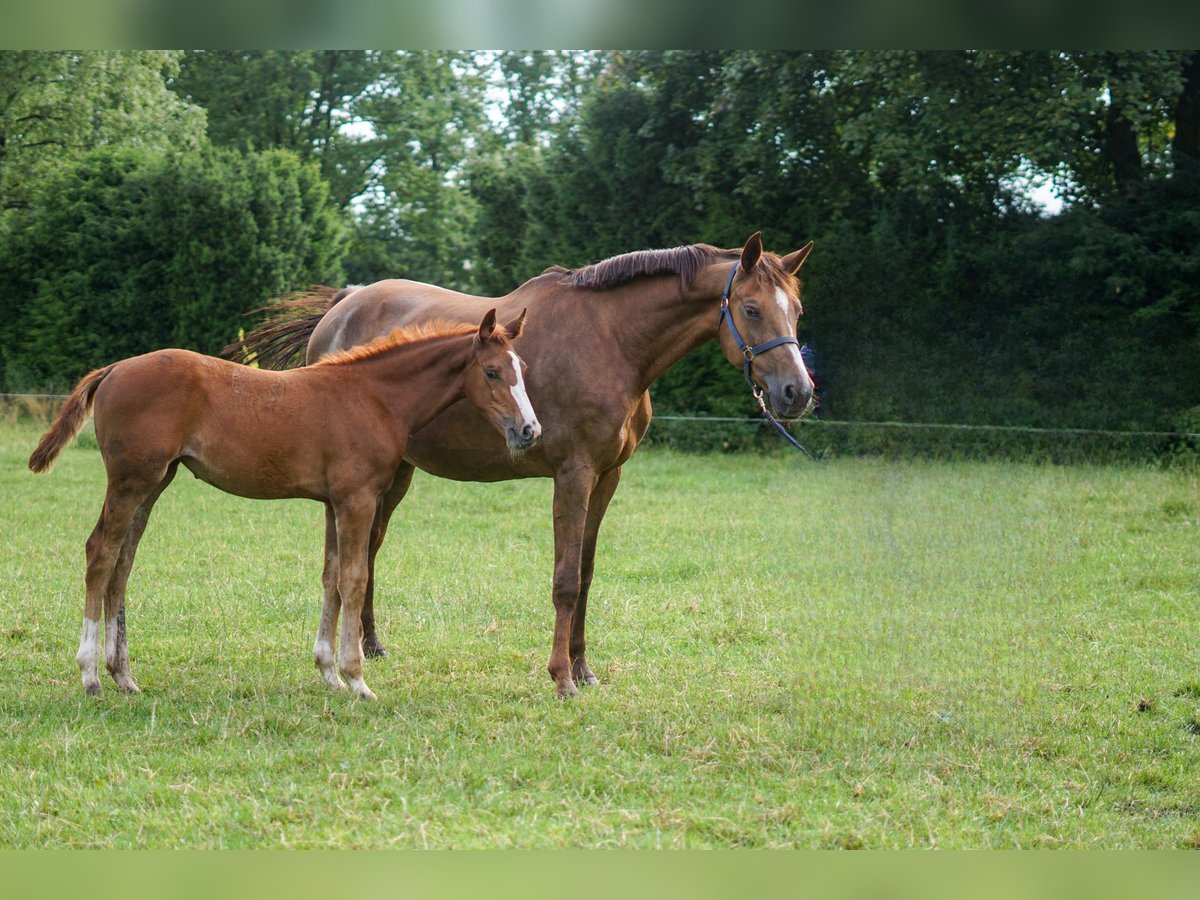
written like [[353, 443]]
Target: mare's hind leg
[[116, 650], [323, 646], [124, 495], [597, 506], [400, 485]]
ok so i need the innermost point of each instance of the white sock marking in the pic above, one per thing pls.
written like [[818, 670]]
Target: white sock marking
[[89, 647]]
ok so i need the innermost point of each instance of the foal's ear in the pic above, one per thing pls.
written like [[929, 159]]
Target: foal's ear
[[488, 325], [752, 251], [793, 261], [516, 325]]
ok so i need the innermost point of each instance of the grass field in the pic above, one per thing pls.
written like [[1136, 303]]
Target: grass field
[[845, 654]]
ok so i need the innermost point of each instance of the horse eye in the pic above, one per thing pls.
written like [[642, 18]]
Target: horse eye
[[491, 373], [750, 311]]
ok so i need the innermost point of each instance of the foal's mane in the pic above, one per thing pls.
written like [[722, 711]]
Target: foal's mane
[[684, 261], [403, 336]]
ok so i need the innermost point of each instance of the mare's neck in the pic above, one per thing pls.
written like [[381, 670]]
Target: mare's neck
[[657, 324]]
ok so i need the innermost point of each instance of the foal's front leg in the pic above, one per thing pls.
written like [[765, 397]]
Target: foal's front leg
[[353, 520]]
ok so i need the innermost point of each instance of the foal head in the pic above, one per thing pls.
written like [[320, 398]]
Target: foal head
[[495, 382], [764, 304]]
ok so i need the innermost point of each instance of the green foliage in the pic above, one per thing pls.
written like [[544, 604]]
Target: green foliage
[[134, 250], [938, 293], [305, 101], [55, 106]]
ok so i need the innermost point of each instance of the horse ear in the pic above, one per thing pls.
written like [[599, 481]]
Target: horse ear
[[515, 327], [752, 251], [488, 325], [793, 261]]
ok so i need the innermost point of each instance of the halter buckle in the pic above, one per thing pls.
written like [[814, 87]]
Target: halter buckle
[[748, 354]]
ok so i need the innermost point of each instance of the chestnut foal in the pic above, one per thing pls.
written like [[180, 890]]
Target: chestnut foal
[[335, 432]]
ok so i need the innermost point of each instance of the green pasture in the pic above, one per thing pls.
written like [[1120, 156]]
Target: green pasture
[[853, 653]]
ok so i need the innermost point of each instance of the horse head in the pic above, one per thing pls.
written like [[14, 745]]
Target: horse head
[[495, 382], [757, 326]]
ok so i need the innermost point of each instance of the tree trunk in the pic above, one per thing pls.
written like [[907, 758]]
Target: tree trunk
[[1185, 147], [1123, 151]]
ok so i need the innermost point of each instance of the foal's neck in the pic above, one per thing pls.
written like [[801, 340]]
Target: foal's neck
[[418, 382]]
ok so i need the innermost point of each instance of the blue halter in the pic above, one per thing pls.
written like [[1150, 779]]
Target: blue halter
[[748, 355], [748, 352]]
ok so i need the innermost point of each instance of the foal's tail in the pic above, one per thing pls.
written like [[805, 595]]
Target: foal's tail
[[75, 413], [281, 341]]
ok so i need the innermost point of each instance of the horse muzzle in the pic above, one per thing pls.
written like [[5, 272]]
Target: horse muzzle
[[524, 435], [790, 399]]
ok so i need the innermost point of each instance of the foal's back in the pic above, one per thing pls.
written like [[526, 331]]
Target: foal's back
[[252, 432]]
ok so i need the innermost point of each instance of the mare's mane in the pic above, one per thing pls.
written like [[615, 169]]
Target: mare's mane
[[685, 262], [403, 336]]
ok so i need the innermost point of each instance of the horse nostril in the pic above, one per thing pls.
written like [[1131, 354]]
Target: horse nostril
[[527, 433], [789, 393]]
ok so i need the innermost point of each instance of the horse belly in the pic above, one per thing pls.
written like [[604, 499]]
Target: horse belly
[[462, 445]]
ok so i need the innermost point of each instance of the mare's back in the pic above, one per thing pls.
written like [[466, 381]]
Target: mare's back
[[373, 311]]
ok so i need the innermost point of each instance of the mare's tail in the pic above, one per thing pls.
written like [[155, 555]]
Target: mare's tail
[[281, 341], [74, 414]]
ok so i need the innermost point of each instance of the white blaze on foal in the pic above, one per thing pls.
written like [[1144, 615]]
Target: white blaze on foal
[[518, 392]]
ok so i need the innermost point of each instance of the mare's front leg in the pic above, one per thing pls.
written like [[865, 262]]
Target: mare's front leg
[[572, 491], [354, 517], [400, 485], [330, 605], [597, 507]]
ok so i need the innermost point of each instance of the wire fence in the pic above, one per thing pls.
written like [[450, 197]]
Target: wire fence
[[942, 426], [835, 437]]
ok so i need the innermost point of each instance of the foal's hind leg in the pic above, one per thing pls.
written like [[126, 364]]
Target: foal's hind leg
[[116, 650], [103, 549], [400, 485]]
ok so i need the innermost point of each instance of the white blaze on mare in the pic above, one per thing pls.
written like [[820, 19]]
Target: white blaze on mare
[[518, 392], [785, 304]]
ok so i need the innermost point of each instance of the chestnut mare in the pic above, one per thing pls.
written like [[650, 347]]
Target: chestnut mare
[[335, 432], [600, 337]]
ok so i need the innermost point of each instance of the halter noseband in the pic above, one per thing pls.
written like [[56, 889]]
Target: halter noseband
[[748, 355]]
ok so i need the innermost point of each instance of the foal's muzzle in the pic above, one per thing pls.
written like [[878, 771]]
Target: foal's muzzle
[[524, 435]]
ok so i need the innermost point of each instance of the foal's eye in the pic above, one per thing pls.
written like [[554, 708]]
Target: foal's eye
[[750, 311], [491, 373]]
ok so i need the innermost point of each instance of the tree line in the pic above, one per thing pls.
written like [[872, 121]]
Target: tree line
[[151, 199]]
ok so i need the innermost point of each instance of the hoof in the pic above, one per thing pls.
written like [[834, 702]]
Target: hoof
[[92, 688], [333, 680], [374, 649], [566, 689], [361, 691], [583, 675], [127, 686]]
